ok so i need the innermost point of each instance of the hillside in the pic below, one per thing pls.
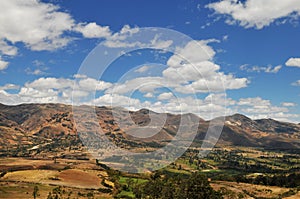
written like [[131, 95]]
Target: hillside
[[32, 125]]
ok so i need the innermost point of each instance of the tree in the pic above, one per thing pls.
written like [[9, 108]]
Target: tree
[[35, 191], [164, 187], [197, 187]]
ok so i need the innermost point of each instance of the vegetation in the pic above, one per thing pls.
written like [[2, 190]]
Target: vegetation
[[191, 176], [35, 192], [195, 186]]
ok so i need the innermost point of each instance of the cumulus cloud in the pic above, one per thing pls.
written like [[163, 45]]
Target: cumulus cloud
[[93, 30], [90, 84], [258, 69], [256, 13], [294, 62], [60, 90], [149, 95], [51, 89], [118, 100], [125, 32], [9, 87], [3, 64], [194, 52], [165, 96], [45, 26], [7, 49], [40, 26], [193, 69], [50, 83], [258, 108], [253, 102], [190, 70], [124, 39]]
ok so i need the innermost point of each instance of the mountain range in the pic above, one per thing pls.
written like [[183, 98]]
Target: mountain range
[[29, 125]]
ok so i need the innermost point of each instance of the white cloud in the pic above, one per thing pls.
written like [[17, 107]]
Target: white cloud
[[59, 90], [288, 104], [255, 13], [194, 52], [50, 83], [225, 38], [160, 44], [3, 64], [266, 69], [293, 62], [7, 49], [54, 90], [124, 33], [217, 83], [149, 95], [190, 70], [92, 30], [89, 84], [297, 83], [29, 92], [143, 84], [193, 70], [206, 109], [29, 71], [39, 68], [9, 87], [117, 100], [79, 76], [125, 39], [44, 26], [253, 102], [258, 108], [165, 96], [142, 69], [40, 26]]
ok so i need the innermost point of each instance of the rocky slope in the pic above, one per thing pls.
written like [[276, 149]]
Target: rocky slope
[[28, 125]]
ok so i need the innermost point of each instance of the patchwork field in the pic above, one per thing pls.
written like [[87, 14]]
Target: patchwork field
[[65, 178]]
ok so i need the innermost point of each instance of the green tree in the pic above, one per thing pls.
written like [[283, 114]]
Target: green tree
[[197, 187]]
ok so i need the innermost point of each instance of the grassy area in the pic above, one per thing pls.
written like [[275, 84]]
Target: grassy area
[[127, 183], [124, 180], [178, 171], [22, 190], [126, 193]]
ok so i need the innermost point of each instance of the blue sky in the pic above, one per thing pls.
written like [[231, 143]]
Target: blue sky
[[249, 47]]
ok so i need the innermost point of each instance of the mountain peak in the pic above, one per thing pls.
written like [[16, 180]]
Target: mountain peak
[[238, 116]]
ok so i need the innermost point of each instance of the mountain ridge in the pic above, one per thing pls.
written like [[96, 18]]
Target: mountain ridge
[[32, 124]]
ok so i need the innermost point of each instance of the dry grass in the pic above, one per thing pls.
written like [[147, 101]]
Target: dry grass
[[35, 176], [234, 189], [297, 196], [21, 190], [79, 179], [70, 178]]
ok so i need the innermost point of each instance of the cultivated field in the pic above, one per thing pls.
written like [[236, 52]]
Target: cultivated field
[[65, 178]]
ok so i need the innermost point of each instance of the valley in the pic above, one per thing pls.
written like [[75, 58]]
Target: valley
[[42, 153]]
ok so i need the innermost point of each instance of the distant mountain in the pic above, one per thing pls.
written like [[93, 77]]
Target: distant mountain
[[267, 133], [28, 125]]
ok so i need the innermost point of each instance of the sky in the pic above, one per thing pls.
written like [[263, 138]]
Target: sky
[[211, 58]]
